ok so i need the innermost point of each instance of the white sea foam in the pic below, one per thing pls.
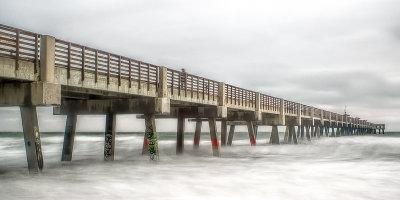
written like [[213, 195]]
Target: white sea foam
[[366, 167]]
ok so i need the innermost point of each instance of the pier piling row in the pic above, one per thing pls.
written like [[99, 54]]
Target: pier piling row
[[41, 70]]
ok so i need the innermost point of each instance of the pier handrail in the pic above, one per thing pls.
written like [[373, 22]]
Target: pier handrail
[[25, 45]]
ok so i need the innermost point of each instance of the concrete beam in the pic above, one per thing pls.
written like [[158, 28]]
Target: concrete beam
[[117, 106], [30, 94]]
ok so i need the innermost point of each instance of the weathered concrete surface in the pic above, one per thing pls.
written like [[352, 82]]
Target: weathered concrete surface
[[35, 93], [69, 138], [33, 144], [109, 137], [117, 106], [25, 72]]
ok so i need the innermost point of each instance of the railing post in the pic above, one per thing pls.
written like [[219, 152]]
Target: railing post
[[312, 115], [282, 118], [258, 106], [299, 114], [162, 85], [222, 108], [47, 58]]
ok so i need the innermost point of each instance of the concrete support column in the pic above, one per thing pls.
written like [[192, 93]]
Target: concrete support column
[[274, 138], [286, 137], [255, 128], [109, 141], [302, 132], [327, 131], [231, 132], [318, 131], [145, 148], [214, 136], [312, 131], [333, 132], [69, 138], [197, 133], [292, 132], [33, 145], [47, 58], [151, 136], [180, 135], [297, 130], [223, 132], [250, 129], [308, 136]]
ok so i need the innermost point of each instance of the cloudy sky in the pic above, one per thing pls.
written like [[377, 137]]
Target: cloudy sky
[[323, 53]]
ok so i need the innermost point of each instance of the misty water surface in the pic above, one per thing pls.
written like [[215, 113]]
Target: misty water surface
[[364, 167]]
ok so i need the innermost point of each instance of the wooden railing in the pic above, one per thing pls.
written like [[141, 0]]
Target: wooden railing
[[24, 45], [19, 44], [306, 110], [89, 60], [269, 103], [191, 85], [239, 96], [290, 107]]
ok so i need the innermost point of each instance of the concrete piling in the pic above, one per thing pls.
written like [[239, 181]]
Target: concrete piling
[[250, 129], [286, 137], [333, 132], [151, 136], [312, 131], [109, 139], [302, 132], [308, 136], [231, 132], [274, 138], [33, 145], [292, 132], [197, 133], [223, 132], [214, 136], [180, 135], [69, 138]]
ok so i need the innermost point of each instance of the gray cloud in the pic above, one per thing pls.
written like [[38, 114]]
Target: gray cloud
[[322, 53]]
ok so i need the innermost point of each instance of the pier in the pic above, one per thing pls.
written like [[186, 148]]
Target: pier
[[42, 70]]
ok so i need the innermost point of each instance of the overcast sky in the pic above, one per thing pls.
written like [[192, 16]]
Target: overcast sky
[[323, 53]]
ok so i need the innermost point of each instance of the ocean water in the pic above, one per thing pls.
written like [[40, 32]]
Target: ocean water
[[351, 167]]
